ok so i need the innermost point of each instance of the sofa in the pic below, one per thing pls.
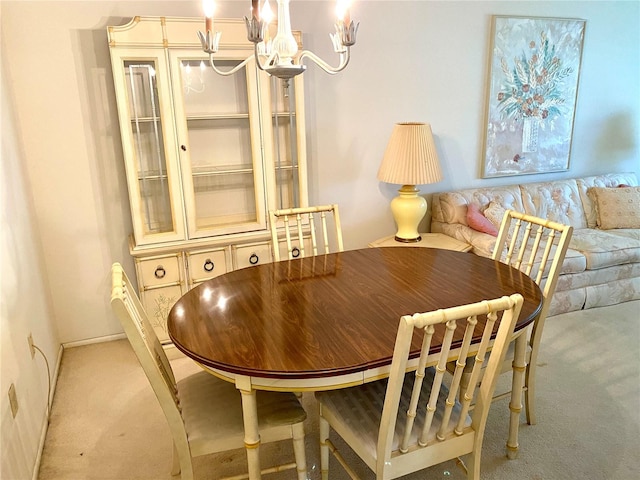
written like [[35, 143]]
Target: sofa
[[602, 264]]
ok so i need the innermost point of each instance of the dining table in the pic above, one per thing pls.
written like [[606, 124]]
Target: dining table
[[330, 321]]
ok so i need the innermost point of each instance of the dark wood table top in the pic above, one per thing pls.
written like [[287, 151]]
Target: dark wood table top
[[333, 314]]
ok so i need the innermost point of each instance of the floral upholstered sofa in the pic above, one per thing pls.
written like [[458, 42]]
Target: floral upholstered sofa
[[602, 264]]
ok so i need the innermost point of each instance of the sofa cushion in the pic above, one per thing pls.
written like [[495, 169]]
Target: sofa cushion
[[480, 223], [495, 214], [451, 207], [557, 201], [574, 261], [616, 207], [608, 180], [626, 232], [603, 249], [573, 281]]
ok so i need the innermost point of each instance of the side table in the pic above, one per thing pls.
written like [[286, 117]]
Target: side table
[[429, 240]]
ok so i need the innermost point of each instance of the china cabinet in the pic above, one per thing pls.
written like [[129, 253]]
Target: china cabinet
[[206, 156]]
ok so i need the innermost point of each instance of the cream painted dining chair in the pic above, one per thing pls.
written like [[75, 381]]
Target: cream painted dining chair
[[413, 420], [308, 231], [537, 247], [204, 413]]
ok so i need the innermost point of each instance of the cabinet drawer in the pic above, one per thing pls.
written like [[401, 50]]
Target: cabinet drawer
[[158, 271], [251, 254], [296, 250], [203, 265], [157, 303]]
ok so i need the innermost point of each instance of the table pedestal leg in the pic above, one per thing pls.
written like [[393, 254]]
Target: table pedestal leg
[[517, 384], [251, 433]]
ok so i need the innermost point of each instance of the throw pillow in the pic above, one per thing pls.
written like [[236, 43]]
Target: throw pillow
[[495, 213], [616, 207], [480, 223]]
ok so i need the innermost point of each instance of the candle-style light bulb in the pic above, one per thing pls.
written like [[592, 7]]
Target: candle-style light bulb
[[208, 7], [342, 11], [266, 14]]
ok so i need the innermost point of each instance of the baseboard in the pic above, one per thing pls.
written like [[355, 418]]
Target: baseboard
[[89, 341], [45, 422]]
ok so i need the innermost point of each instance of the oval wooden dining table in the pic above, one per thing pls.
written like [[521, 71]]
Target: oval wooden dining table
[[330, 321]]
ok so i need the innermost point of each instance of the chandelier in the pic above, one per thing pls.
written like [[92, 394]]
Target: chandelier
[[278, 56]]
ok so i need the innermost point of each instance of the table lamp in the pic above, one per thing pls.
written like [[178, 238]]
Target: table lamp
[[409, 160]]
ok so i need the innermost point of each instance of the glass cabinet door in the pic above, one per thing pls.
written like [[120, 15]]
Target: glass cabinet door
[[218, 123], [149, 148], [287, 143]]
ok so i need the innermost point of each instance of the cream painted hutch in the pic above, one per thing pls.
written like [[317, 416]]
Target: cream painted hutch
[[207, 156]]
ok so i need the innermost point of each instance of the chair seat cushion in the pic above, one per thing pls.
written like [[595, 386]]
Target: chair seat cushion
[[361, 409], [217, 429]]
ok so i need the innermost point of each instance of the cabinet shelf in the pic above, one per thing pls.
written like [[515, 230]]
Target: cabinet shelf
[[217, 171], [145, 120], [217, 116], [209, 116], [286, 167], [142, 177], [153, 175]]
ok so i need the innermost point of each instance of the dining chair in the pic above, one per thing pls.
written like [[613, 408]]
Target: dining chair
[[412, 421], [308, 230], [537, 247], [204, 413]]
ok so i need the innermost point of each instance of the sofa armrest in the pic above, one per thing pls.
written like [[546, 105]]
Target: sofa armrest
[[481, 243]]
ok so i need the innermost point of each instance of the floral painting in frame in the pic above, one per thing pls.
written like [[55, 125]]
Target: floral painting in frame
[[531, 102]]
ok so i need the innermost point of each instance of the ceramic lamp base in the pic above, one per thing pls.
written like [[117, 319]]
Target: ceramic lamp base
[[408, 210]]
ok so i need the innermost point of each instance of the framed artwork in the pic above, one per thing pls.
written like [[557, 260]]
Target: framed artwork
[[532, 89]]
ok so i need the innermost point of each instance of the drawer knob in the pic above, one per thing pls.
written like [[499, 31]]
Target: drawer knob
[[253, 259], [208, 265], [160, 272], [295, 252]]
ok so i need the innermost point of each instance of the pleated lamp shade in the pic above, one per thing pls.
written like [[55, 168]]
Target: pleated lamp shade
[[409, 160], [411, 157]]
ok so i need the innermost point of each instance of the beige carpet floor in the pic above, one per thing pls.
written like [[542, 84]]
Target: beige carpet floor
[[107, 424]]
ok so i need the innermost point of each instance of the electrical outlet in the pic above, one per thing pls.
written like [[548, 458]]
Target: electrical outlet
[[13, 400], [31, 347]]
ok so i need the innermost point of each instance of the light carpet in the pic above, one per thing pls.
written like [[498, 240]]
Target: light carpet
[[107, 424]]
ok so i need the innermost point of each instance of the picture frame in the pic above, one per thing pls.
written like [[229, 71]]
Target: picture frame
[[534, 70]]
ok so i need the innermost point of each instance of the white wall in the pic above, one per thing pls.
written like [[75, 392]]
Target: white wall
[[427, 61], [418, 61], [24, 309], [414, 61]]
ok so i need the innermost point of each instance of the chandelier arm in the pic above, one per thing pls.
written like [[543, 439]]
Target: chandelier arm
[[257, 56], [233, 70], [344, 61]]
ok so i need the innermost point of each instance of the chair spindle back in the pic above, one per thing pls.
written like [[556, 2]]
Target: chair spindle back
[[315, 228], [143, 339], [449, 417]]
